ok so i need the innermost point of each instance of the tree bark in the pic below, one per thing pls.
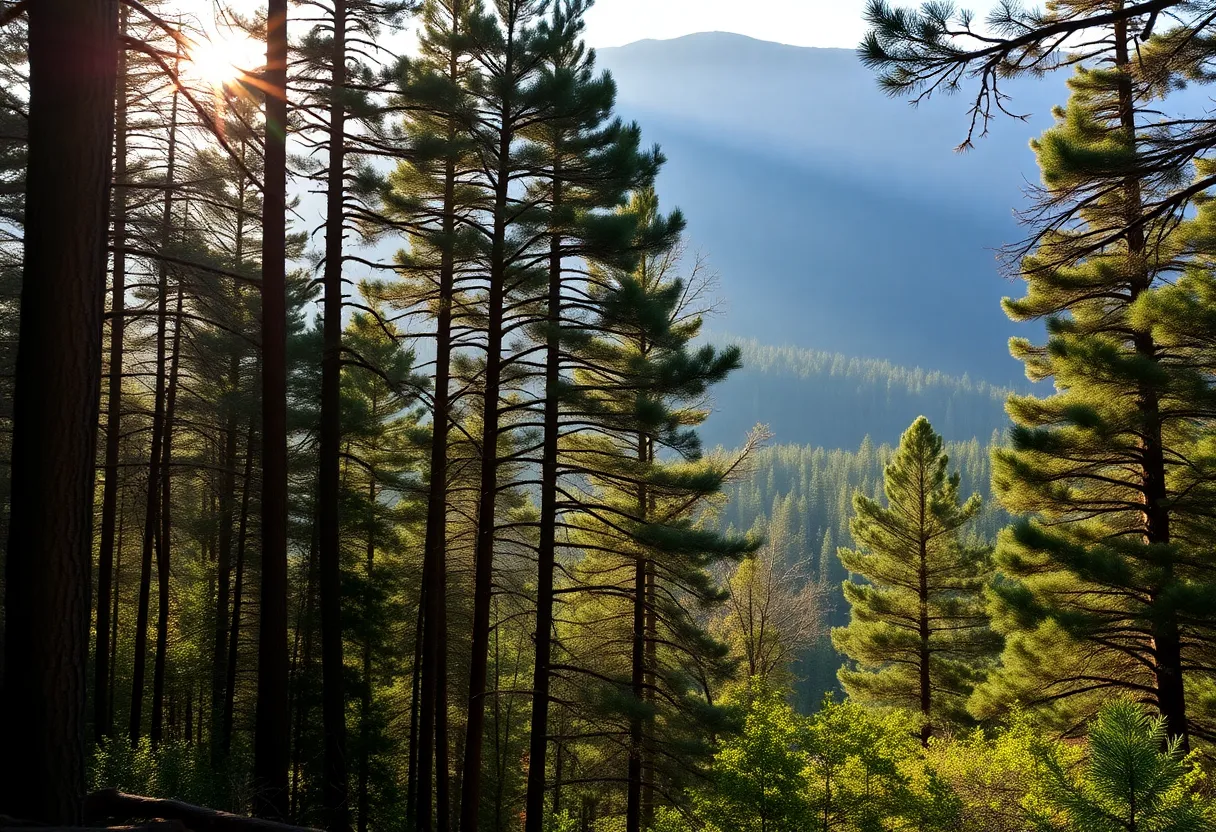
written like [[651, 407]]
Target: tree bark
[[633, 802], [48, 568], [333, 700], [300, 665], [103, 724], [1166, 637], [411, 780], [164, 546], [113, 658], [223, 566], [433, 684], [648, 751], [470, 796], [234, 632], [272, 729], [546, 553], [365, 703]]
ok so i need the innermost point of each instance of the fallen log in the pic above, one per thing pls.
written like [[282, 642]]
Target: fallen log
[[113, 805]]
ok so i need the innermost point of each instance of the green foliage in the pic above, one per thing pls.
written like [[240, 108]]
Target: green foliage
[[1112, 471], [846, 768], [176, 770], [759, 774], [997, 776], [1134, 780], [853, 769], [918, 635]]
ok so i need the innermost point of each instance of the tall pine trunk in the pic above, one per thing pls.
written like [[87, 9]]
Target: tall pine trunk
[[300, 665], [470, 797], [923, 632], [223, 566], [48, 567], [411, 779], [633, 802], [103, 724], [652, 643], [546, 555], [152, 505], [164, 545], [365, 702], [1166, 631], [234, 632], [433, 729], [272, 728], [333, 700], [113, 646]]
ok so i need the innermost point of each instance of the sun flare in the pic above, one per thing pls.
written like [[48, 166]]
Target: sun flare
[[223, 57]]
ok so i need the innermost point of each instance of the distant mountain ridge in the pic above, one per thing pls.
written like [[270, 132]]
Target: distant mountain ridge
[[838, 218]]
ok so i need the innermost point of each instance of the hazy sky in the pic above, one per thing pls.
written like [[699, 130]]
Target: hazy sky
[[797, 22]]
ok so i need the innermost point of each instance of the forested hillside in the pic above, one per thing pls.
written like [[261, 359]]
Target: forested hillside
[[834, 401]]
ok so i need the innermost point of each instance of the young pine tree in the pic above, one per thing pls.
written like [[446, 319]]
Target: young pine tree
[[919, 635], [1135, 779]]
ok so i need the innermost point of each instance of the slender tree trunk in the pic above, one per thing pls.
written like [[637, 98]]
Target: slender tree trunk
[[164, 547], [546, 553], [48, 568], [443, 799], [304, 618], [223, 567], [113, 646], [470, 796], [1166, 632], [234, 632], [223, 575], [433, 685], [411, 788], [333, 700], [103, 724], [633, 804], [926, 687], [648, 752], [430, 610], [558, 749], [272, 728], [152, 505], [365, 703], [189, 727]]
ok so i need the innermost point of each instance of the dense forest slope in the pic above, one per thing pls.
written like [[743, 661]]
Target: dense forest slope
[[838, 219], [835, 401]]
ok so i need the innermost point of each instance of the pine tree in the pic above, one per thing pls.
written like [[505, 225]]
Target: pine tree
[[1104, 579], [427, 198], [1135, 778], [72, 69], [918, 632], [506, 98], [590, 163], [647, 561], [272, 733], [332, 55]]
